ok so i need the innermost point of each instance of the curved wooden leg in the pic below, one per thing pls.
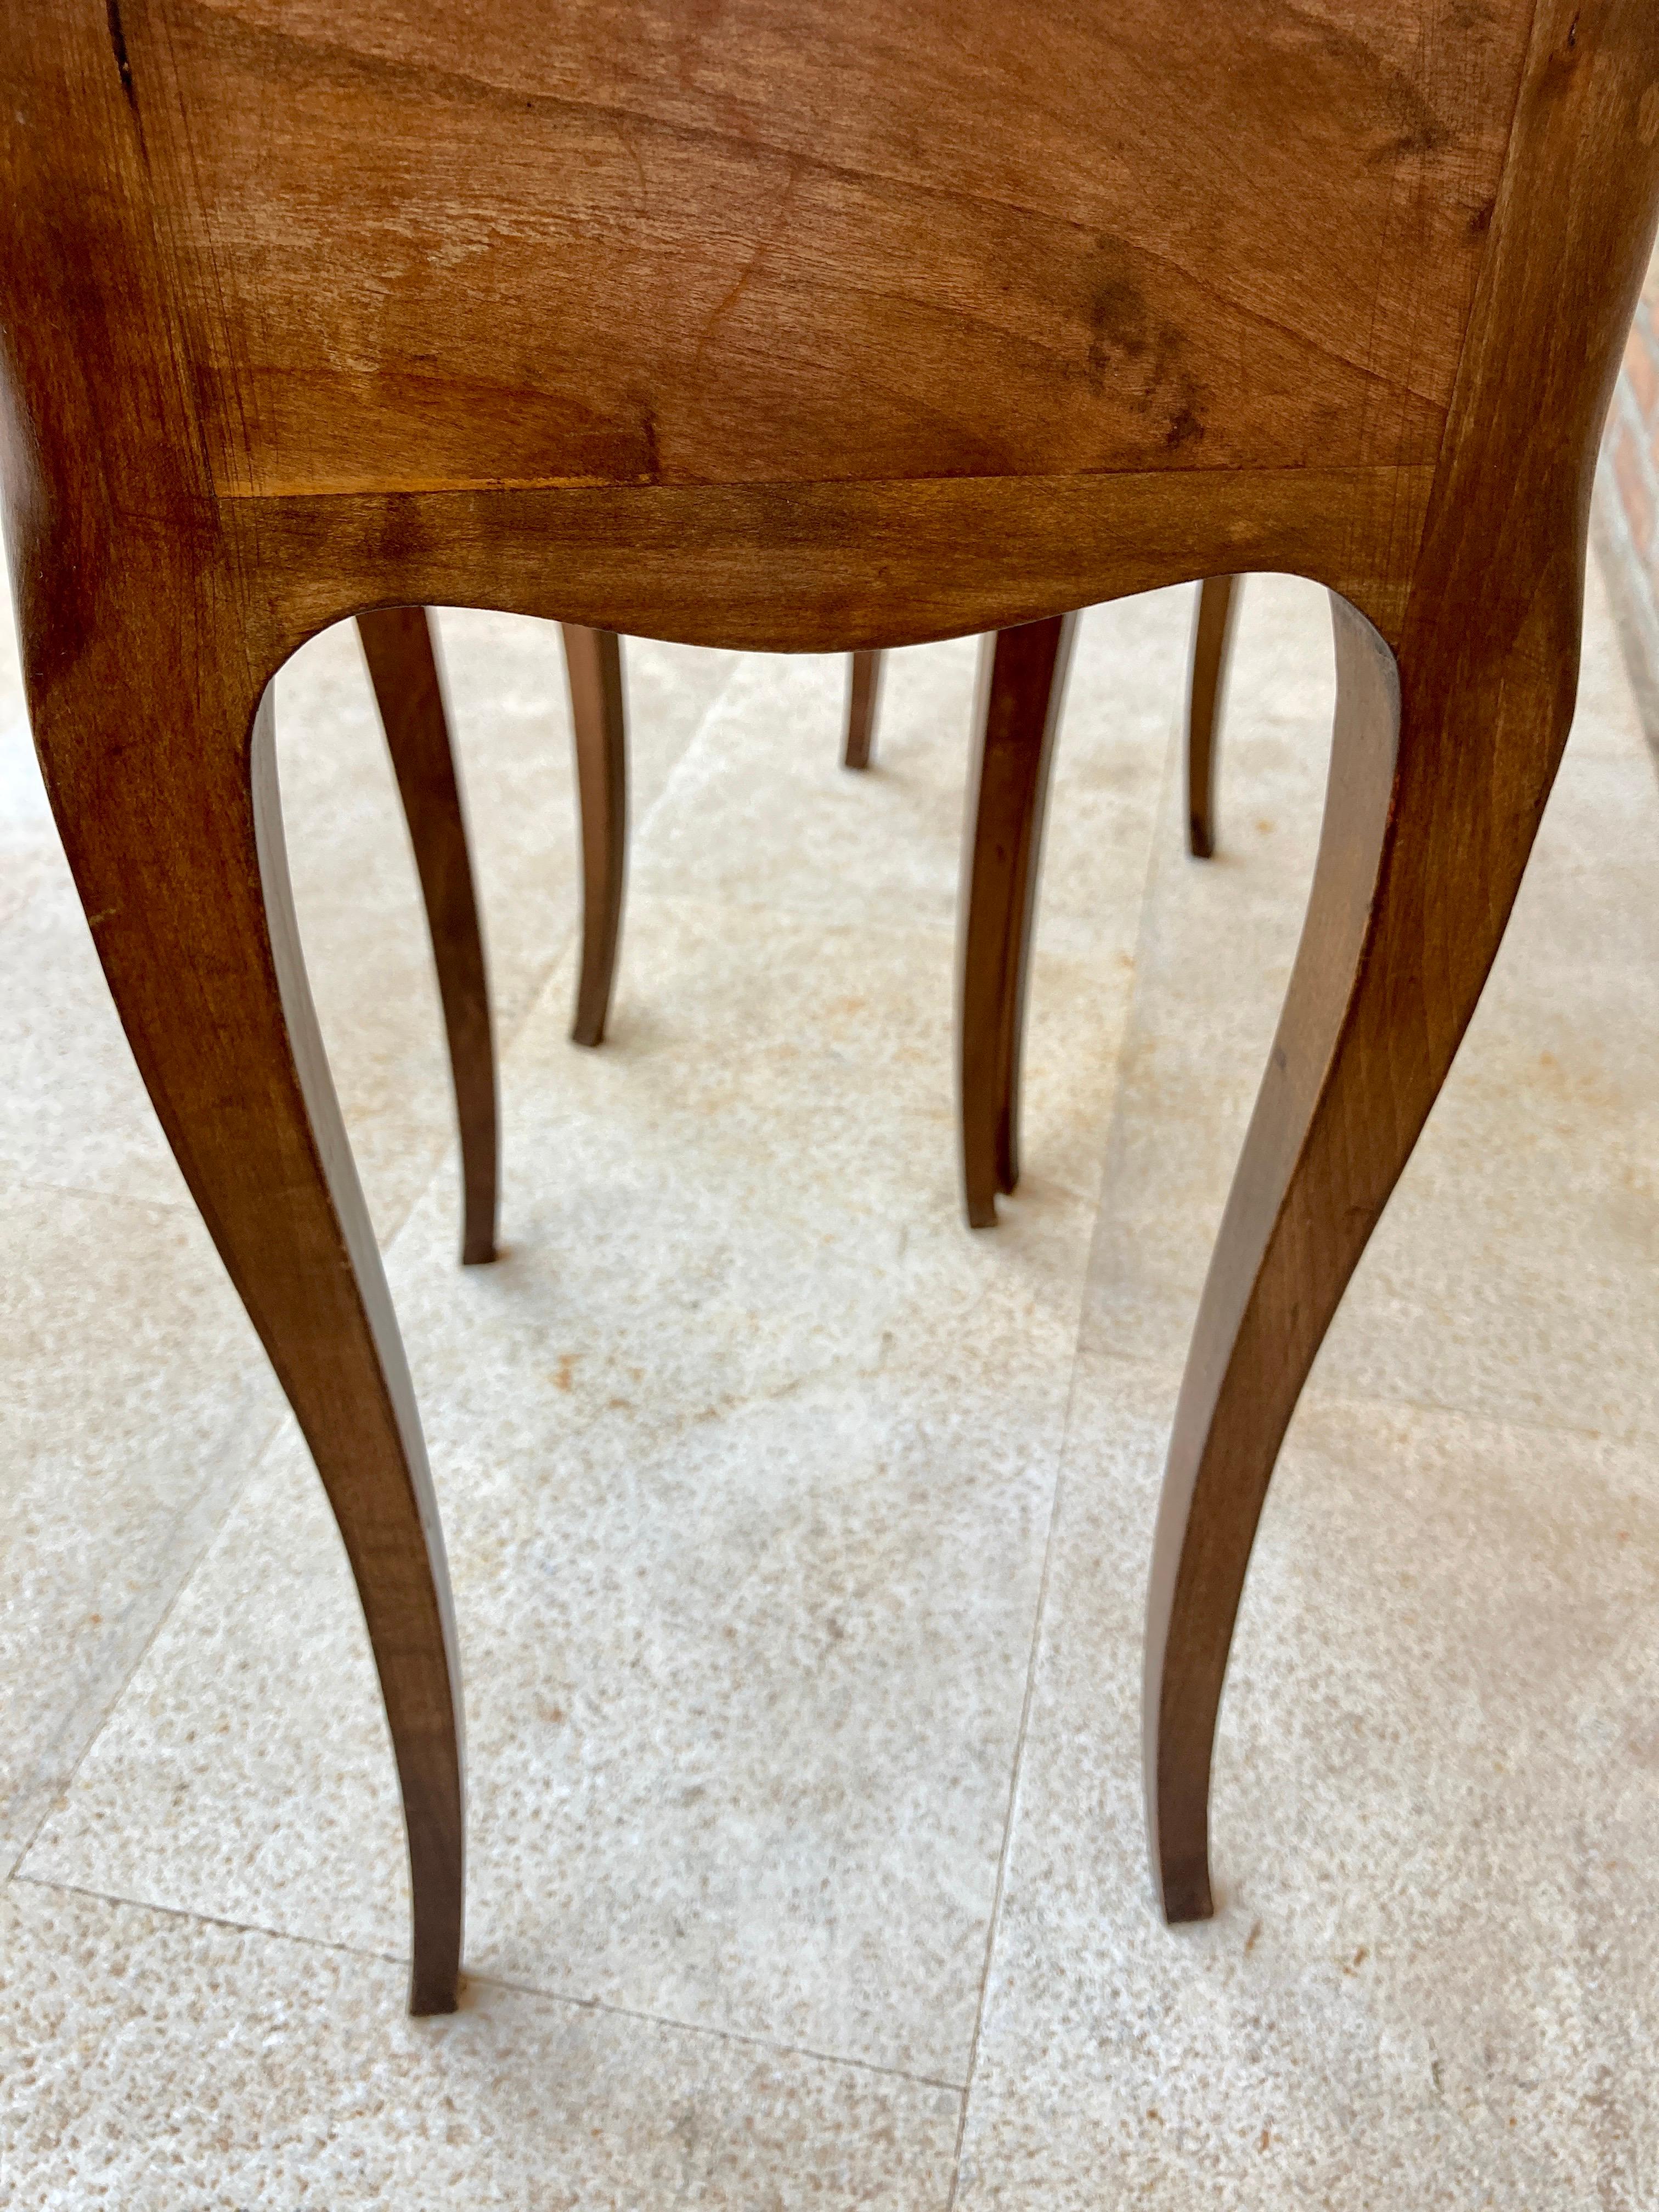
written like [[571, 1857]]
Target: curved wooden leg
[[1439, 773], [593, 660], [863, 687], [1211, 640], [162, 776], [403, 666], [1022, 684]]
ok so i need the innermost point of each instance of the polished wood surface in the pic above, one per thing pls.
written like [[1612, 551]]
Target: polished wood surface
[[594, 664], [802, 328], [1021, 690], [1033, 222], [1443, 757], [1015, 724], [863, 692], [403, 666], [1212, 626], [647, 400], [174, 833]]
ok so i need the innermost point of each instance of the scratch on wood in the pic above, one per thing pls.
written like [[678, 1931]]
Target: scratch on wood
[[758, 253], [118, 46]]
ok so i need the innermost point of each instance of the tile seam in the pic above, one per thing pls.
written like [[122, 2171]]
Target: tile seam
[[472, 1979]]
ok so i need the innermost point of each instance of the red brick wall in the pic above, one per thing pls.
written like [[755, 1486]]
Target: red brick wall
[[1627, 508]]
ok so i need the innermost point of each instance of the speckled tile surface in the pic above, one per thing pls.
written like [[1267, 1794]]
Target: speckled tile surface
[[132, 1391], [745, 1455], [151, 2060], [1513, 1274], [799, 1537], [1436, 1786]]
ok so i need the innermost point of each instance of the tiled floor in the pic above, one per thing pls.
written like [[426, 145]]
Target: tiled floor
[[798, 1536]]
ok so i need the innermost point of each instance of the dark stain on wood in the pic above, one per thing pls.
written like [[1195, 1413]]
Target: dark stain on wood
[[118, 39]]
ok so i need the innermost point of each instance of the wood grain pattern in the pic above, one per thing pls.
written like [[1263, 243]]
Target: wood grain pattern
[[823, 568], [1006, 199], [1442, 758], [173, 829], [1017, 716], [863, 691], [593, 660], [778, 325], [401, 652], [1047, 297], [1212, 626]]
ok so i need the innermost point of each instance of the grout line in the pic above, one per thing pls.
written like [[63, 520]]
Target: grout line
[[1169, 1368], [541, 976], [1078, 1353], [471, 1980], [544, 975], [1169, 811], [217, 1520], [167, 1209], [1635, 618], [994, 1924], [114, 1898], [1359, 1400], [721, 2034]]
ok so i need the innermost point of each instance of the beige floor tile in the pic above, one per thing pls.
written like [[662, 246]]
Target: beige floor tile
[[760, 810], [25, 824], [1512, 1274], [134, 1400], [1607, 715], [74, 1113], [744, 1453], [726, 1010], [354, 876], [1213, 956], [1436, 1788], [510, 710], [741, 1719], [77, 1115], [154, 2062], [26, 869]]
